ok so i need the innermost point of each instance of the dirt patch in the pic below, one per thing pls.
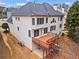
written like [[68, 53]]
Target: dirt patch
[[69, 50]]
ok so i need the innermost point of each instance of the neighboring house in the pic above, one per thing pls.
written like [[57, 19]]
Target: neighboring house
[[34, 20], [3, 21], [9, 11], [3, 12], [3, 15], [62, 8]]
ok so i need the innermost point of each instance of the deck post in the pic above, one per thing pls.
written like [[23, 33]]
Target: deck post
[[43, 53]]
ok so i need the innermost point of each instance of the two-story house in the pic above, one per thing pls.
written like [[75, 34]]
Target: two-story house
[[35, 20]]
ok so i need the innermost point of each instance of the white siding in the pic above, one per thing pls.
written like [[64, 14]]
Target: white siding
[[25, 24]]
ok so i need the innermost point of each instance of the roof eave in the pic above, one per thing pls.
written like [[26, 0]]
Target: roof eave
[[40, 15]]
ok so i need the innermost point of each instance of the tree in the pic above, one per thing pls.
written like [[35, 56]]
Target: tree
[[72, 21], [5, 26]]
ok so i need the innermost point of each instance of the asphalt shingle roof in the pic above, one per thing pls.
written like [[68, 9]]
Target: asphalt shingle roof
[[34, 9], [11, 9], [9, 19]]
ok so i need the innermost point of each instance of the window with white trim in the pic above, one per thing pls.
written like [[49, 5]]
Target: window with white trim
[[18, 28], [61, 18], [45, 30], [33, 21], [18, 18], [53, 28], [60, 25], [40, 21], [53, 20], [29, 33], [36, 33], [46, 20]]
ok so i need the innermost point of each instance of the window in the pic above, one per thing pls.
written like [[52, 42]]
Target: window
[[40, 21], [45, 30], [53, 21], [53, 28], [18, 28], [61, 19], [36, 33], [58, 18], [46, 20], [33, 21], [18, 18], [15, 18], [29, 33], [60, 25], [41, 31]]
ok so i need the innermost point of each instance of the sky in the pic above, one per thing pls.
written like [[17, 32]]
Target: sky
[[14, 3]]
